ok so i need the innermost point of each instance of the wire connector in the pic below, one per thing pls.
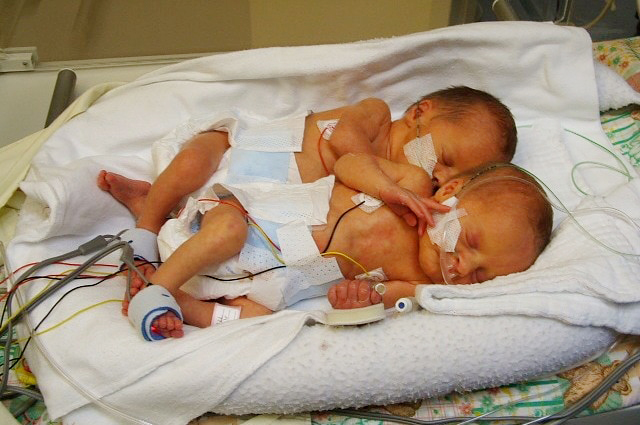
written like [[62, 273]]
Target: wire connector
[[94, 245]]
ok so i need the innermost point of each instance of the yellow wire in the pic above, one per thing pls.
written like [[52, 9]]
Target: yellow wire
[[348, 258], [28, 303], [71, 317], [273, 251]]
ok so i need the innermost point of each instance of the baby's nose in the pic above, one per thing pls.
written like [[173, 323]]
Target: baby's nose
[[462, 269]]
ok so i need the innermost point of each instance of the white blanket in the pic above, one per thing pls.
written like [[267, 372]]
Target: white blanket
[[542, 72]]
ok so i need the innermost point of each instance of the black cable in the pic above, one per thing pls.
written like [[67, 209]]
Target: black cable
[[247, 276], [99, 243], [338, 222], [107, 277]]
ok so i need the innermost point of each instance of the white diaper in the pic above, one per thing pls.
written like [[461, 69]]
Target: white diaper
[[283, 203], [307, 275], [246, 131], [267, 183]]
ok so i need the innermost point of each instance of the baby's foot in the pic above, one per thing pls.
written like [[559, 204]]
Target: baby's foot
[[168, 325], [130, 193], [352, 294], [137, 283]]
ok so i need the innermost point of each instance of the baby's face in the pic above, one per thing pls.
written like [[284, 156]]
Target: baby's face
[[491, 243], [461, 147]]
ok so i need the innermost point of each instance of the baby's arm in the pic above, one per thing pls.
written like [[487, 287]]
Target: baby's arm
[[405, 188], [375, 176], [360, 293], [361, 126]]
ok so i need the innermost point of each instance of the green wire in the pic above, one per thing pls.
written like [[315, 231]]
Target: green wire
[[562, 208]]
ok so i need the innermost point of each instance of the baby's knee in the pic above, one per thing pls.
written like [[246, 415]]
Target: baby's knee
[[226, 224]]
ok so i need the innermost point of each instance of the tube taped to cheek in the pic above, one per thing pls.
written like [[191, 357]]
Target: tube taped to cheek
[[449, 222], [420, 152]]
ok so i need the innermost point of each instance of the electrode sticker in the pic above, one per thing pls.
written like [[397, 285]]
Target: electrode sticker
[[327, 127], [370, 203]]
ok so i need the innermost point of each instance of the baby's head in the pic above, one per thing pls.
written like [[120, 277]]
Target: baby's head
[[505, 224], [468, 128]]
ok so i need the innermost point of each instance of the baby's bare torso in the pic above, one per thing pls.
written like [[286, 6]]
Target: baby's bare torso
[[377, 239]]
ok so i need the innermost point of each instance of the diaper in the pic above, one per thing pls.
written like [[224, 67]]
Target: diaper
[[307, 274], [266, 182]]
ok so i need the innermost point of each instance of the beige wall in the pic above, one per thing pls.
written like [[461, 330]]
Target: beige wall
[[88, 29]]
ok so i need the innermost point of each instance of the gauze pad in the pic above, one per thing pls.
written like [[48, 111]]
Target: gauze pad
[[420, 152], [449, 222]]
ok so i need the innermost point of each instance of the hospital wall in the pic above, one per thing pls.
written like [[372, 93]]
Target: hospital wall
[[89, 29], [119, 40]]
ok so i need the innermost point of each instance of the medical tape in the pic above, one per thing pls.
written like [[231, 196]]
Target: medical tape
[[369, 203], [375, 275], [309, 280], [448, 221], [284, 203], [297, 244], [421, 152], [223, 313], [270, 135], [327, 127]]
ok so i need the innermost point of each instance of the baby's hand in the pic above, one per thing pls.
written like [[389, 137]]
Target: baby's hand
[[414, 209], [353, 294]]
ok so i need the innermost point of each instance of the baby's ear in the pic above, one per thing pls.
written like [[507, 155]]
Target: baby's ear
[[418, 109], [449, 189]]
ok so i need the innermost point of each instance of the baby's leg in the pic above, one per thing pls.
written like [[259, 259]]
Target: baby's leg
[[221, 236], [200, 313], [187, 172]]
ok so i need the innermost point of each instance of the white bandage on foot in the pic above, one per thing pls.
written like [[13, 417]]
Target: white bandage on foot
[[224, 313], [148, 305], [144, 243]]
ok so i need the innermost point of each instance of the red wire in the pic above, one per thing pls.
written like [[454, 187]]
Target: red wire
[[320, 151]]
